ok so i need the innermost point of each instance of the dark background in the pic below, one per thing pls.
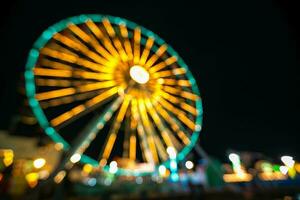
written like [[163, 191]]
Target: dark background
[[243, 55]]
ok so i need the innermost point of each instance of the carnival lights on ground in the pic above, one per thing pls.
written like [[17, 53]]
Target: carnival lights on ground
[[269, 172], [289, 167], [239, 175]]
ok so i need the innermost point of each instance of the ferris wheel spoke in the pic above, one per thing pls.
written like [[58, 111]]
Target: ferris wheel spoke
[[168, 73], [90, 131], [111, 53], [108, 27], [172, 90], [159, 52], [55, 65], [95, 43], [133, 128], [160, 125], [60, 48], [116, 41], [102, 36], [148, 129], [114, 130], [83, 108], [188, 108], [180, 114], [127, 45], [71, 74], [176, 127], [189, 95], [120, 49], [79, 46], [168, 137], [143, 143], [181, 93], [52, 72], [169, 97], [160, 147], [152, 110], [126, 135], [132, 146], [48, 82], [74, 59], [163, 64], [175, 82], [146, 51], [136, 45], [74, 90], [146, 153], [67, 100], [89, 39]]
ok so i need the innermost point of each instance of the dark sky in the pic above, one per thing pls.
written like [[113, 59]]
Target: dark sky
[[243, 55]]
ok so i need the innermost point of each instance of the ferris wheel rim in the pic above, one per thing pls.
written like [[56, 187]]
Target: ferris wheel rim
[[30, 86]]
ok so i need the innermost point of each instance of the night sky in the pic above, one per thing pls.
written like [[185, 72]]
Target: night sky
[[243, 55]]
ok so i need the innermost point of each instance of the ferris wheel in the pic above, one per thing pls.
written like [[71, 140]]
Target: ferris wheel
[[110, 89]]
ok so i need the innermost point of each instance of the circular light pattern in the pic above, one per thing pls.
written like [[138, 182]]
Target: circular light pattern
[[112, 74]]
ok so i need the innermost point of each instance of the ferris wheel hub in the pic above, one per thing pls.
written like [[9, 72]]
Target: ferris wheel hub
[[139, 74]]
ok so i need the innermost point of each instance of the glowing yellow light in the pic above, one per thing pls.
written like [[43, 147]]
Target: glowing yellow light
[[132, 147], [231, 178], [271, 176], [32, 179], [75, 158], [139, 74], [39, 163], [87, 168], [8, 161], [189, 164], [297, 167], [8, 156]]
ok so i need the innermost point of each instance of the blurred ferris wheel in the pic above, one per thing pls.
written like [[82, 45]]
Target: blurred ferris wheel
[[107, 88]]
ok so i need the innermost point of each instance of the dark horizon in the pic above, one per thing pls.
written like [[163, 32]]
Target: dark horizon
[[243, 56]]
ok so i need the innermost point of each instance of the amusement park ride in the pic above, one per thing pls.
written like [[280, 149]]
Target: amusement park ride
[[105, 89]]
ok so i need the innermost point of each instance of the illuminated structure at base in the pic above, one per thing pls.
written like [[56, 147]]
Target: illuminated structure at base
[[131, 90]]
